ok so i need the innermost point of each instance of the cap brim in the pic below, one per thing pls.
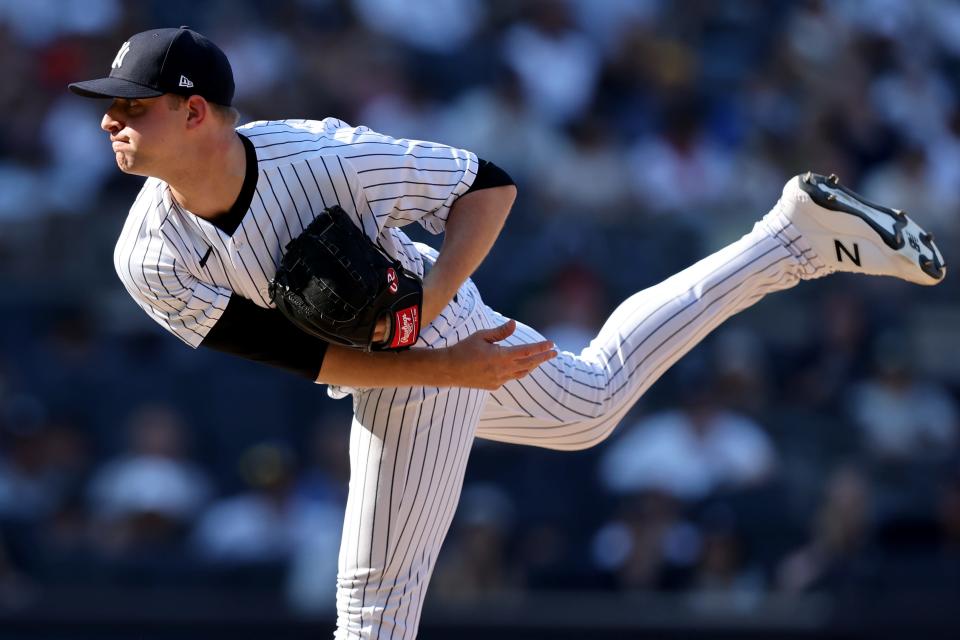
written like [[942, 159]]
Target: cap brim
[[112, 88]]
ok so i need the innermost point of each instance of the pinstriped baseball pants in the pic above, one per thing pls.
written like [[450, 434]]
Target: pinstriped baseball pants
[[409, 446]]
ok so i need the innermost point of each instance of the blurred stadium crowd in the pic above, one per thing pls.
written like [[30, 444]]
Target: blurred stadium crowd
[[810, 445]]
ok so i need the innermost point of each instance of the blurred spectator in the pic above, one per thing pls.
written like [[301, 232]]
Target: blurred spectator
[[319, 498], [477, 562], [831, 354], [558, 66], [41, 21], [570, 311], [30, 487], [721, 567], [498, 124], [69, 365], [254, 527], [587, 179], [943, 171], [255, 54], [68, 454], [724, 578], [909, 183], [943, 21], [915, 99], [903, 417], [648, 545], [689, 453], [15, 589], [255, 536], [815, 34], [680, 170], [148, 495], [440, 26], [326, 471], [70, 131], [401, 111], [743, 372], [840, 532], [65, 548], [43, 465], [607, 22], [948, 513]]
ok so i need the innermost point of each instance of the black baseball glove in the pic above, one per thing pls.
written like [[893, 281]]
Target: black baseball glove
[[335, 283]]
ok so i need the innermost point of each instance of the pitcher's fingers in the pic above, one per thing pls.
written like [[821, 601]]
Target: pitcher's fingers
[[502, 332], [529, 349], [535, 360]]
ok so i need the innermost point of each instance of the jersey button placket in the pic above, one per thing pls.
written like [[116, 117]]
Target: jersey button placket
[[236, 245]]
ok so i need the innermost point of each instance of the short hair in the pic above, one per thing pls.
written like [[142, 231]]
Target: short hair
[[226, 114]]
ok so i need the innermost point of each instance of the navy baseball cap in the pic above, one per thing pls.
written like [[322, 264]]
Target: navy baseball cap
[[159, 61]]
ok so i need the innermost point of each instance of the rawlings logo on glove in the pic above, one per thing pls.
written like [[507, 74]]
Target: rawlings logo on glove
[[407, 323]]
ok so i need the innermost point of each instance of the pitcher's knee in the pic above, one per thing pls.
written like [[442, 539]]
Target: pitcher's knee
[[582, 437]]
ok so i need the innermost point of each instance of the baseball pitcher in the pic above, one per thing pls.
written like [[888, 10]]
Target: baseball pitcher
[[281, 241]]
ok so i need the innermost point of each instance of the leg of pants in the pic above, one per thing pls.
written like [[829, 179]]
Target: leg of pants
[[409, 446], [575, 401], [408, 454]]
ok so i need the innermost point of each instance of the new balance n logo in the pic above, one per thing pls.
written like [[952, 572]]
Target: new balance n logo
[[185, 82], [117, 61], [854, 257]]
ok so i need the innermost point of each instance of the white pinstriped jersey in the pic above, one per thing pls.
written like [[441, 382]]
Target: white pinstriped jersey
[[182, 270]]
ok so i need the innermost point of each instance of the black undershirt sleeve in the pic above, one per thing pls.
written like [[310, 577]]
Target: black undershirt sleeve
[[265, 335], [489, 175]]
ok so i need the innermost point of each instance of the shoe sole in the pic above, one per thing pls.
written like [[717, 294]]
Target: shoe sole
[[893, 226]]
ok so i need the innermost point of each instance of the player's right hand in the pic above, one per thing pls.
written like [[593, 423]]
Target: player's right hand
[[480, 363]]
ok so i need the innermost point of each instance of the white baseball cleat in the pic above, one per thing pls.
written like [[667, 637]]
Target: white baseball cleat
[[847, 233]]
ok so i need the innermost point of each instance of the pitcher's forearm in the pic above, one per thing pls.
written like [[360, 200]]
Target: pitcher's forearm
[[415, 367], [476, 362], [472, 227]]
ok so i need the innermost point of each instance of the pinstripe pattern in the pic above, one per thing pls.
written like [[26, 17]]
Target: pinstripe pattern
[[391, 543], [304, 167], [644, 336], [409, 446]]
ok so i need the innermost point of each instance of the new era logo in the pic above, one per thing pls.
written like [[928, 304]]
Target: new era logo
[[185, 82]]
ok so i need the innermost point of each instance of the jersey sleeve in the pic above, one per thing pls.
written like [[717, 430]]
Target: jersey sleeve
[[181, 303], [406, 181], [205, 315]]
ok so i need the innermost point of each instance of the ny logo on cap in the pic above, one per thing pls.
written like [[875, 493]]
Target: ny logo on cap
[[124, 50]]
